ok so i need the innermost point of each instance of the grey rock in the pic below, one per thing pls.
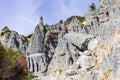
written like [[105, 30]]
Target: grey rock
[[67, 50], [104, 19], [41, 23], [15, 41], [79, 69], [75, 26], [41, 49], [112, 63], [62, 33], [37, 63], [36, 44], [116, 65], [69, 47], [37, 58], [92, 7]]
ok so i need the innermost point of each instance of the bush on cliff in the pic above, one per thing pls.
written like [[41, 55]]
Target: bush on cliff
[[5, 30], [13, 65]]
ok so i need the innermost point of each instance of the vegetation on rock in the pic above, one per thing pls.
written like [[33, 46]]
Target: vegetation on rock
[[13, 65], [29, 36], [80, 18], [5, 30]]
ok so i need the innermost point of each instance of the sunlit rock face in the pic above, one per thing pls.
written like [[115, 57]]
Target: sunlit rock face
[[74, 50], [11, 39], [104, 19]]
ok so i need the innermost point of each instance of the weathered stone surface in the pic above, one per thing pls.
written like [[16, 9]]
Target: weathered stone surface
[[67, 51], [103, 20], [76, 26], [37, 63], [112, 63], [36, 44], [15, 41], [72, 50], [82, 69], [41, 49]]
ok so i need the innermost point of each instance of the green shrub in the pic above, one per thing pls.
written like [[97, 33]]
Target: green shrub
[[13, 65], [11, 53], [66, 23], [81, 19], [5, 30], [2, 52], [29, 77], [29, 36]]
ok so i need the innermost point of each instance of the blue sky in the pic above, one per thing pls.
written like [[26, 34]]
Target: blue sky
[[23, 15]]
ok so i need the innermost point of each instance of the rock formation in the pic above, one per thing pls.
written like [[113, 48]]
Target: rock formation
[[11, 39], [73, 49]]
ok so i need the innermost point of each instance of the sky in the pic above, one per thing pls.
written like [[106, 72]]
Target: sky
[[23, 15]]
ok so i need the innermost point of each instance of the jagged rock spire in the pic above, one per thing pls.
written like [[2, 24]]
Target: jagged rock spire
[[92, 7], [36, 43], [61, 21], [41, 23], [104, 3], [41, 20]]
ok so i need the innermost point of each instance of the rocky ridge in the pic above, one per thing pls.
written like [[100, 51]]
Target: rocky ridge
[[74, 50], [11, 39]]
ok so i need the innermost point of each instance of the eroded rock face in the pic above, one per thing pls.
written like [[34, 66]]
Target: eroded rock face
[[37, 63], [81, 69], [41, 48], [105, 19], [68, 50], [111, 63], [15, 41], [79, 54], [37, 41], [37, 59], [95, 58], [72, 50]]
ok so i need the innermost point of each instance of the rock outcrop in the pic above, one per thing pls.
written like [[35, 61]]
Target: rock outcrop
[[104, 19], [11, 39], [74, 49], [40, 49]]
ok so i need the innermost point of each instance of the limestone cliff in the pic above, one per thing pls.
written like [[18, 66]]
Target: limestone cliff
[[74, 49], [11, 39]]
